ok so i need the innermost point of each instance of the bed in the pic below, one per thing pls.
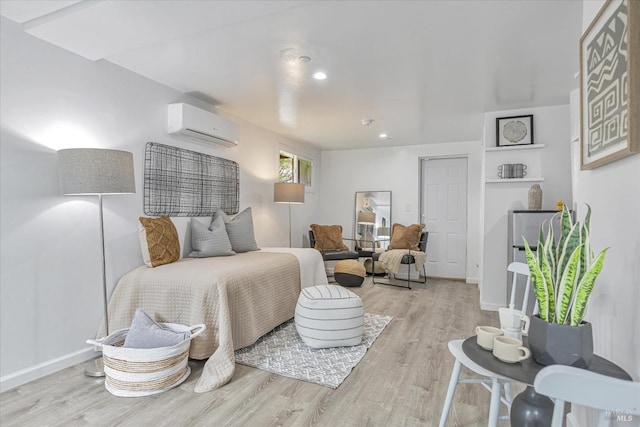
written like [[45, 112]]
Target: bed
[[240, 298], [203, 264]]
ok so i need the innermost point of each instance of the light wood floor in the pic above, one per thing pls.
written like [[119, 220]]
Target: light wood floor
[[401, 381]]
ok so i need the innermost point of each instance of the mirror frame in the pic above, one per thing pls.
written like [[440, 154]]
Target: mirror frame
[[378, 203]]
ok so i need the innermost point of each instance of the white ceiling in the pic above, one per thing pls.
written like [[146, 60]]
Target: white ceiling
[[425, 71]]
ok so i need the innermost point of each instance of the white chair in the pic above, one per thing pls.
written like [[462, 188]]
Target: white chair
[[520, 268], [492, 381], [614, 397]]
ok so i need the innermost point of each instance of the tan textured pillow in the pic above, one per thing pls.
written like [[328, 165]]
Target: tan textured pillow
[[405, 237], [328, 237], [159, 241]]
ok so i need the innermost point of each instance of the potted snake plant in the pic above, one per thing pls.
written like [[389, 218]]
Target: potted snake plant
[[563, 273]]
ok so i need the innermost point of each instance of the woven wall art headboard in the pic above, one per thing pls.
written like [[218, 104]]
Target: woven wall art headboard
[[179, 182]]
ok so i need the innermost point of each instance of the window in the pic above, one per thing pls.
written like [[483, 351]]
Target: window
[[286, 171], [293, 168]]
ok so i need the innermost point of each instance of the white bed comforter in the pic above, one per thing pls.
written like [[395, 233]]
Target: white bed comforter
[[312, 271]]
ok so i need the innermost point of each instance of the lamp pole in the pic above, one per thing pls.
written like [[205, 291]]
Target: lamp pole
[[96, 369]]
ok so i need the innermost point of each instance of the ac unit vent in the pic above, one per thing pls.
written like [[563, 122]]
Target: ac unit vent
[[196, 123]]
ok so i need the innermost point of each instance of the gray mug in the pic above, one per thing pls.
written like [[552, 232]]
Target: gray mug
[[519, 170], [505, 171]]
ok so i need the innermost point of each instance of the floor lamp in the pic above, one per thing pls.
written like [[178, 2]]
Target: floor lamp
[[366, 219], [290, 193], [92, 171]]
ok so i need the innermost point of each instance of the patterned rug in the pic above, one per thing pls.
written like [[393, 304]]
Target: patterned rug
[[283, 352]]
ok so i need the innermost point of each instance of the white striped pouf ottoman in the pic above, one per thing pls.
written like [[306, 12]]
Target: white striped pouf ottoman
[[329, 316]]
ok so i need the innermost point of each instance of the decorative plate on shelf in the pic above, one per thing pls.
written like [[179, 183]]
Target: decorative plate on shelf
[[514, 131], [517, 130]]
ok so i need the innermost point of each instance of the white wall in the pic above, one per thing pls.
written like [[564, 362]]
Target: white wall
[[553, 162], [613, 192], [50, 289], [397, 169]]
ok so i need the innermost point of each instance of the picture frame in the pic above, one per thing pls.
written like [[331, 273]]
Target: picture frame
[[610, 85], [514, 130]]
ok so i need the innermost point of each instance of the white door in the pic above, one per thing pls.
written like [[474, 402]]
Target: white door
[[444, 214]]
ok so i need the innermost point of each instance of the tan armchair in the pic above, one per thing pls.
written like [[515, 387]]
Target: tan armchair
[[408, 259], [329, 241]]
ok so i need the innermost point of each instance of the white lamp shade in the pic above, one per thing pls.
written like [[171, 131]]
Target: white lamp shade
[[288, 192], [96, 171]]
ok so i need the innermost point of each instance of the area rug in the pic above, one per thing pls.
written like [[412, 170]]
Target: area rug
[[283, 352]]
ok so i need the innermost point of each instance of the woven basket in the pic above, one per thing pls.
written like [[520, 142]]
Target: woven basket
[[133, 372]]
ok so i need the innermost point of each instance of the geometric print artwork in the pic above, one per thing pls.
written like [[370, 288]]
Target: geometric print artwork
[[283, 352], [607, 84], [179, 182]]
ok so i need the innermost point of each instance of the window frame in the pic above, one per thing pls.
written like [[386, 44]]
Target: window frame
[[297, 158]]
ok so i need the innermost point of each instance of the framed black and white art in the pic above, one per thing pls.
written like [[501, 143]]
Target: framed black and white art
[[610, 84], [516, 130]]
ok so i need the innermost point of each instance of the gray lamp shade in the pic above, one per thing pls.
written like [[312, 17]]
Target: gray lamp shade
[[366, 217], [288, 192], [96, 171]]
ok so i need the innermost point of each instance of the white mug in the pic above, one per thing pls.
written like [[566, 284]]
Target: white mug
[[512, 320], [513, 332], [485, 336], [509, 349]]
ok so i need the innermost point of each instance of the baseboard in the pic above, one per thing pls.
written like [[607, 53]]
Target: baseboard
[[23, 376], [469, 280], [490, 306], [462, 280]]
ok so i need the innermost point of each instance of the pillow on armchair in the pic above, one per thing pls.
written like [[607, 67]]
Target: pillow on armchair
[[405, 237], [328, 237]]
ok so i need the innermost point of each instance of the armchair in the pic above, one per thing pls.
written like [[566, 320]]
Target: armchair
[[406, 261], [329, 241]]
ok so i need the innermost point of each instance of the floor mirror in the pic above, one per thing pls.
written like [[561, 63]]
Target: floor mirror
[[372, 220]]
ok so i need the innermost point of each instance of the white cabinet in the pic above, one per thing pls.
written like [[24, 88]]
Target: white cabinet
[[529, 155]]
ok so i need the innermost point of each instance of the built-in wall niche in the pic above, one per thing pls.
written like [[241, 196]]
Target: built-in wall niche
[[529, 155]]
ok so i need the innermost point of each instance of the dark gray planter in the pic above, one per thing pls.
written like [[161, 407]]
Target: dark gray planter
[[551, 343]]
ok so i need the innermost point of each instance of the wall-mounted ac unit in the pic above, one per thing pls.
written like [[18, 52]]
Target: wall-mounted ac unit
[[199, 124]]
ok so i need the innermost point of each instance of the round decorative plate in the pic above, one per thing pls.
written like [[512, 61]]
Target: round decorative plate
[[514, 131]]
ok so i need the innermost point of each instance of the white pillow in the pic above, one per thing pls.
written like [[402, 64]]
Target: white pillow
[[210, 242]]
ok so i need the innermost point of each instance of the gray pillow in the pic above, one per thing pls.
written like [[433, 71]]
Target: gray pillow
[[240, 230], [146, 333], [210, 242]]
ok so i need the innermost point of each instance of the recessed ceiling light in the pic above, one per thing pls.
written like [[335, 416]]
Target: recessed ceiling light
[[383, 135], [366, 122], [304, 59], [319, 75]]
